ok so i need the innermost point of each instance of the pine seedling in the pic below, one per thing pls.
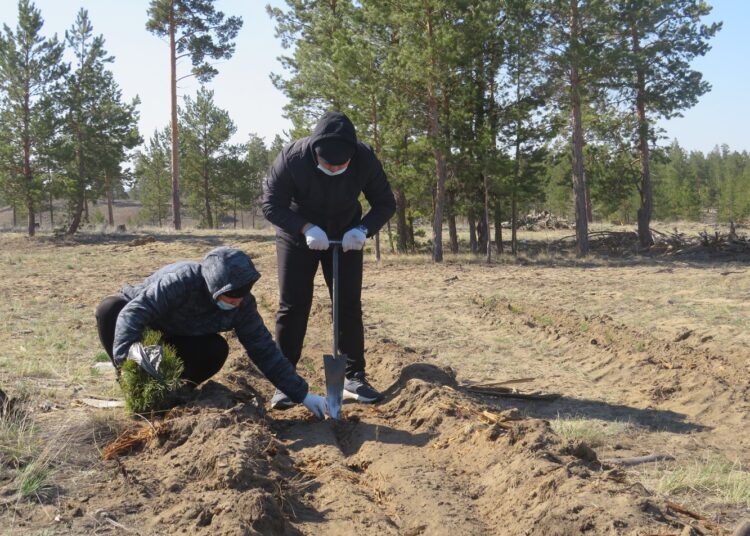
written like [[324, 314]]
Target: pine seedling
[[145, 394]]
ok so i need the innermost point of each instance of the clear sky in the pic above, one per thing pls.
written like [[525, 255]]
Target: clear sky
[[244, 89]]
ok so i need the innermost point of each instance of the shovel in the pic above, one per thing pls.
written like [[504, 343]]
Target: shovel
[[335, 365]]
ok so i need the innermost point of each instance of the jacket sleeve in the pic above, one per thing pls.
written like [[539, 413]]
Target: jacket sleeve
[[378, 193], [257, 341], [277, 198], [155, 300]]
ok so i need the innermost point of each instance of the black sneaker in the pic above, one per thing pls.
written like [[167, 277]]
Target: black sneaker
[[281, 401], [356, 387]]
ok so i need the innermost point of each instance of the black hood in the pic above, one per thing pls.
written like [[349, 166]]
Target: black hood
[[336, 126], [226, 269]]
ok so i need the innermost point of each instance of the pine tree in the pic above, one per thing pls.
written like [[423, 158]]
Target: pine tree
[[580, 55], [195, 29], [99, 128], [206, 130], [30, 67], [662, 38], [153, 179]]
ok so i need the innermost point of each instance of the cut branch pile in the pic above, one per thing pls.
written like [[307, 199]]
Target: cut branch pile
[[671, 244], [677, 243], [540, 221]]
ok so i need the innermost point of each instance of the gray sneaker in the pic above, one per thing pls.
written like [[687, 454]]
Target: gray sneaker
[[281, 401], [356, 387]]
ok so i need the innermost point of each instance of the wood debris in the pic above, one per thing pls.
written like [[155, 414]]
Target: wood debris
[[540, 221]]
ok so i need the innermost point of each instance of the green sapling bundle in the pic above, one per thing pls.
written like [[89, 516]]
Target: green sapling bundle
[[143, 393]]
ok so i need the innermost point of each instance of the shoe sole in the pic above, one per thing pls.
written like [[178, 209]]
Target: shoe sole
[[283, 405], [348, 395]]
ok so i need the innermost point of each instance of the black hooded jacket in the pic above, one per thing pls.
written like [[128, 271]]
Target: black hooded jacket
[[297, 192], [180, 299]]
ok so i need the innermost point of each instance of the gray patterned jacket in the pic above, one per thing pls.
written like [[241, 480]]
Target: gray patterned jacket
[[180, 299]]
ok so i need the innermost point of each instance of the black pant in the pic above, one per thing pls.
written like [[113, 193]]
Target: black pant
[[203, 355], [297, 266]]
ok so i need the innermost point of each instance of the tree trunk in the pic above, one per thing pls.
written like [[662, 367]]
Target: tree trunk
[[488, 238], [647, 194], [51, 212], [450, 204], [78, 211], [390, 235], [175, 140], [32, 221], [412, 243], [86, 217], [498, 228], [77, 214], [481, 236], [579, 178], [377, 246], [235, 213], [513, 223], [437, 153], [453, 232], [589, 206], [472, 234], [209, 216], [27, 173], [15, 215], [253, 217], [110, 200], [401, 228], [437, 223]]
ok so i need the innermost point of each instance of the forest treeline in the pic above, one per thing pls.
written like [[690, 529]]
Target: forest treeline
[[479, 110]]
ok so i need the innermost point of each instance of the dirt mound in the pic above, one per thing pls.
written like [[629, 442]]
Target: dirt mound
[[212, 467], [431, 459]]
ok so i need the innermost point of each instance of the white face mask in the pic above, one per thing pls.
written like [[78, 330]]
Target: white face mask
[[331, 173], [224, 306]]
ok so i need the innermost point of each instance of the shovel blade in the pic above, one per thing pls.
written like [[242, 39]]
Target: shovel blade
[[335, 370]]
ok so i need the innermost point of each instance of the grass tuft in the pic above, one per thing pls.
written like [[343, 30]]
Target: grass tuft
[[714, 476], [101, 357], [592, 432], [17, 441], [33, 479], [143, 393]]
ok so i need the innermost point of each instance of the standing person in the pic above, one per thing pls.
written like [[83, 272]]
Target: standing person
[[190, 303], [311, 196]]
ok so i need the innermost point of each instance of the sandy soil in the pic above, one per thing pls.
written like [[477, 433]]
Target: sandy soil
[[659, 345]]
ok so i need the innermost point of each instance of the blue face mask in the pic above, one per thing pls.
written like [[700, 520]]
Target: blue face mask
[[331, 173], [224, 306]]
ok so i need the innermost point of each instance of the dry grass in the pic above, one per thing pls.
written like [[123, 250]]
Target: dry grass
[[729, 482], [18, 442], [594, 433]]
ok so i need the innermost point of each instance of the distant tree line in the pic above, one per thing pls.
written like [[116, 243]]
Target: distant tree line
[[691, 186], [479, 110]]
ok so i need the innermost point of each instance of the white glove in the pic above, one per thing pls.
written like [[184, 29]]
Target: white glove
[[316, 404], [316, 238], [354, 239]]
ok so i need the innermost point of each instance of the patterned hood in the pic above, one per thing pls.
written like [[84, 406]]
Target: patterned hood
[[226, 269]]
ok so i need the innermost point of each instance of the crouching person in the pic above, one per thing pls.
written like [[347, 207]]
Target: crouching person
[[190, 303]]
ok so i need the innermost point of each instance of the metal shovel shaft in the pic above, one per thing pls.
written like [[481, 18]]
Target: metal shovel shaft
[[335, 364]]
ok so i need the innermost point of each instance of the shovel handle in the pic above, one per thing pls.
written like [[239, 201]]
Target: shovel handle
[[336, 247]]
